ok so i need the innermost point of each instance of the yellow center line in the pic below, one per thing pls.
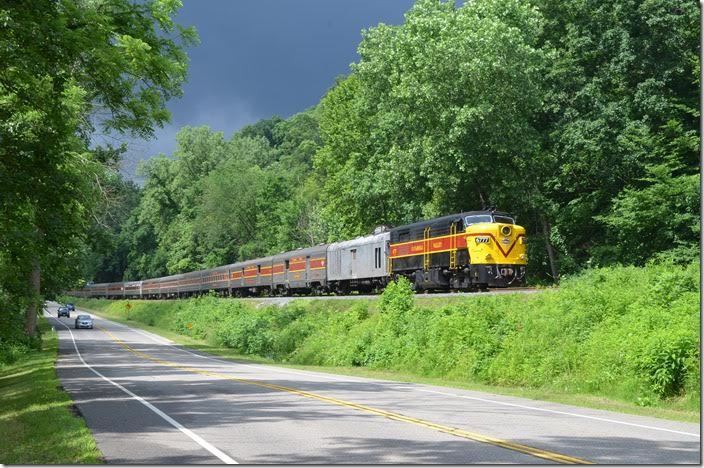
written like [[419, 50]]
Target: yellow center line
[[536, 452]]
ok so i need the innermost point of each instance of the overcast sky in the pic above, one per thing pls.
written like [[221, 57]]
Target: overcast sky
[[260, 58]]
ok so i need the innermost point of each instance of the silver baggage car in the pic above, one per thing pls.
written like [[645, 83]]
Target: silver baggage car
[[359, 264]]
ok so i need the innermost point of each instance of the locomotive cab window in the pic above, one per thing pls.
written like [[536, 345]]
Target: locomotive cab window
[[476, 219], [404, 236], [503, 219]]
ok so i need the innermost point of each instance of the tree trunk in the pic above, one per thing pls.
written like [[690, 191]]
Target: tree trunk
[[30, 316], [550, 249]]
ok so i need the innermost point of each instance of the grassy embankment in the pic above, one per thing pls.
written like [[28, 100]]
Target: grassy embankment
[[621, 338], [36, 422]]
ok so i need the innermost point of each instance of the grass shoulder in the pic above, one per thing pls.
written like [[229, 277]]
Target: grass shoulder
[[37, 425], [582, 400]]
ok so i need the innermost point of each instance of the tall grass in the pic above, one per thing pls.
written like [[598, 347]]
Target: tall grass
[[626, 333]]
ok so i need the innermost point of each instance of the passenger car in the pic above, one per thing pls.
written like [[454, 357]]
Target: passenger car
[[64, 311], [84, 321]]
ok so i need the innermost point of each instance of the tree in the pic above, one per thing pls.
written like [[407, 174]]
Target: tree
[[437, 116], [622, 74], [70, 67]]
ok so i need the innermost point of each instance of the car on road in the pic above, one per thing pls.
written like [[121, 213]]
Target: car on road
[[63, 311], [71, 307], [84, 321]]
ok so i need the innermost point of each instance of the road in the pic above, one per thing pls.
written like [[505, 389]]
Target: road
[[148, 401]]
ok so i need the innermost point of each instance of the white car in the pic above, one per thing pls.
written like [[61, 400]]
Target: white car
[[84, 321]]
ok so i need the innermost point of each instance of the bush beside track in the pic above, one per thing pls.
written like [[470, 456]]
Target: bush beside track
[[623, 333]]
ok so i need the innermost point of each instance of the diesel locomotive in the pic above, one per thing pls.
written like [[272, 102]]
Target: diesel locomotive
[[469, 251]]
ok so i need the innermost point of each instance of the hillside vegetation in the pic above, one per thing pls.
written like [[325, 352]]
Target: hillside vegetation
[[625, 333]]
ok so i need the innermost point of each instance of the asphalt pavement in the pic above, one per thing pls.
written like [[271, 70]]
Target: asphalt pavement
[[149, 401]]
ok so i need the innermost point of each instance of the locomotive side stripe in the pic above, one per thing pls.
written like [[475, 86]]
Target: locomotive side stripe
[[443, 244]]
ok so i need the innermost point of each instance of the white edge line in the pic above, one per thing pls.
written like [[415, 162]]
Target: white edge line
[[557, 412], [196, 438], [418, 389]]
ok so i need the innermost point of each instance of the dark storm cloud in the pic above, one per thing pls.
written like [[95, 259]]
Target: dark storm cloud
[[259, 58]]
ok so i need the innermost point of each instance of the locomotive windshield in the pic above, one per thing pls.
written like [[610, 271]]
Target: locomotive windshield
[[503, 219], [474, 219], [486, 218]]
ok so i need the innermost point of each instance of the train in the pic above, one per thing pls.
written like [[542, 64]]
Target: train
[[468, 251]]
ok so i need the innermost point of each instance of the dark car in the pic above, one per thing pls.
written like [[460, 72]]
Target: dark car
[[71, 307], [63, 311], [84, 321]]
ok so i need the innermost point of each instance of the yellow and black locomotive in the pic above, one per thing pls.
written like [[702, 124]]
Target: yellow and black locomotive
[[471, 250]]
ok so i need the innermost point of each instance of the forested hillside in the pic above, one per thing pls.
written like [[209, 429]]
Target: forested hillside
[[580, 118], [582, 121]]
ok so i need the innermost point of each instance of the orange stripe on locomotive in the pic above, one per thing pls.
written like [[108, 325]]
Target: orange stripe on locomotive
[[443, 244]]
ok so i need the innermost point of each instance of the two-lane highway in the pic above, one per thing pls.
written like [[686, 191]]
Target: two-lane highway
[[150, 402]]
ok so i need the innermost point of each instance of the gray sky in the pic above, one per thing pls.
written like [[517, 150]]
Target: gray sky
[[259, 58]]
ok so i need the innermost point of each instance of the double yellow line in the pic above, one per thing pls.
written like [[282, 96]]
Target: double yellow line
[[536, 452]]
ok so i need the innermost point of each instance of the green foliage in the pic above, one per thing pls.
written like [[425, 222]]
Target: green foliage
[[218, 200], [622, 99], [626, 333], [397, 298], [401, 134], [659, 218], [70, 67]]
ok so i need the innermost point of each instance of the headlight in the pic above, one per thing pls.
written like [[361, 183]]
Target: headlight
[[506, 230]]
